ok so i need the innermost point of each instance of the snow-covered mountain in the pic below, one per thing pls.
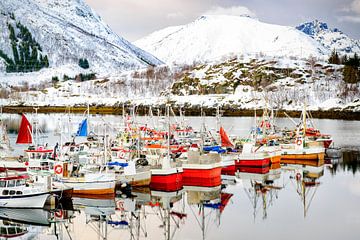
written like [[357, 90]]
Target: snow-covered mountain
[[330, 38], [68, 30], [214, 36]]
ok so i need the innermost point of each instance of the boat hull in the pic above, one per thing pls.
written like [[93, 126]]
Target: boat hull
[[166, 179], [24, 201], [89, 188], [300, 156], [253, 162], [140, 179], [260, 170], [203, 175]]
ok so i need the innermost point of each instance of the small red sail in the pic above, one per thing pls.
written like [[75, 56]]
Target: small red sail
[[25, 130], [225, 141]]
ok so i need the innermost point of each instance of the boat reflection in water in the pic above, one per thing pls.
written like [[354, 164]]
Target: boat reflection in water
[[150, 214], [305, 178], [22, 223], [206, 205], [261, 187]]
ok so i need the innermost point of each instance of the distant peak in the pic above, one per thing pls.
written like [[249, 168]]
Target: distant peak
[[221, 16], [313, 27]]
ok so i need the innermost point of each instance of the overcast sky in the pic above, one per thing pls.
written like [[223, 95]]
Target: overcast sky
[[133, 19]]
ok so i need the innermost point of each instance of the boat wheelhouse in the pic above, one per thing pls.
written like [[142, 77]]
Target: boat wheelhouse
[[15, 192]]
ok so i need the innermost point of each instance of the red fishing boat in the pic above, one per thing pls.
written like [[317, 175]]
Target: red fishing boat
[[252, 158], [167, 178]]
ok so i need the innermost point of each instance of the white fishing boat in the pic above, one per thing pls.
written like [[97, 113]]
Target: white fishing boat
[[90, 183], [14, 193]]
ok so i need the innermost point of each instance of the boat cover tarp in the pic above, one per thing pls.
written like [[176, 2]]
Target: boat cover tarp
[[217, 149]]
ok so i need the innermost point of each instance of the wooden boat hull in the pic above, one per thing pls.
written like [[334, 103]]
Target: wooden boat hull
[[309, 156], [167, 180], [306, 162], [88, 188], [275, 159], [204, 175]]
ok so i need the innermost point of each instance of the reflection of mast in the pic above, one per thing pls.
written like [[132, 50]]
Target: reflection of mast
[[261, 187], [307, 183], [209, 198], [169, 216]]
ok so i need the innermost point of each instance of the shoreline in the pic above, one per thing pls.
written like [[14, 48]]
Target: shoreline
[[192, 111]]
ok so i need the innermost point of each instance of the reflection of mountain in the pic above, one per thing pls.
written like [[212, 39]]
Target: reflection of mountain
[[349, 161]]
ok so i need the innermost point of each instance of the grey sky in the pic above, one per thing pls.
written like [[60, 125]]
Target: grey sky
[[134, 19]]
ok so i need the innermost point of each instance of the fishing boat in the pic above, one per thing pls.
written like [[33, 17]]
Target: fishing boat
[[251, 157], [302, 148], [167, 177], [16, 194], [89, 183], [202, 168]]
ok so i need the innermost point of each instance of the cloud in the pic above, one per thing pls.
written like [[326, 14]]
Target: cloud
[[175, 15], [234, 10], [355, 6], [352, 11], [353, 19]]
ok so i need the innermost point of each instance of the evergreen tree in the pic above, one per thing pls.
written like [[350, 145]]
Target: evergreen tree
[[83, 63], [334, 57]]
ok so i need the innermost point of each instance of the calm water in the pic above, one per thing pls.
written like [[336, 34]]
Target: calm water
[[294, 202]]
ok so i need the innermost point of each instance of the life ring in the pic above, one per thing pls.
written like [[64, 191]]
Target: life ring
[[121, 154], [298, 176], [58, 169], [59, 213], [299, 142]]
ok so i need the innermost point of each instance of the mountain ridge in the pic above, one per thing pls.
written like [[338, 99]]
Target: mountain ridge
[[214, 36], [69, 30]]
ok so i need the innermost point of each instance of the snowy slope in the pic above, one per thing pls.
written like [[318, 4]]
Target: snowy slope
[[330, 38], [213, 36], [68, 30]]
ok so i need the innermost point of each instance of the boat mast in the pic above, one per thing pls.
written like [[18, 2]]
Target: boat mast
[[218, 124], [166, 160], [36, 141]]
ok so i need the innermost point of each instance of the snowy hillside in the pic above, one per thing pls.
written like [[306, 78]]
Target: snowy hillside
[[214, 36], [330, 38], [66, 31]]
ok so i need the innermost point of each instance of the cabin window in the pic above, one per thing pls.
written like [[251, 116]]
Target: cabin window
[[3, 231], [12, 192], [5, 192], [20, 182], [11, 183], [19, 193], [11, 230], [2, 184]]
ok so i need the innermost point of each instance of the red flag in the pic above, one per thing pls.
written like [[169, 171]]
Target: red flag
[[225, 141], [25, 130]]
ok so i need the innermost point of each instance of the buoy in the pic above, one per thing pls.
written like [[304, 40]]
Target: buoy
[[299, 142], [58, 169], [298, 176]]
